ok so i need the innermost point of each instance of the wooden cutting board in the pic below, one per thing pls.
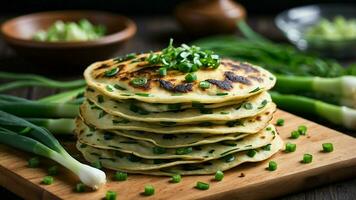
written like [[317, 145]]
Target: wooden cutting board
[[249, 181]]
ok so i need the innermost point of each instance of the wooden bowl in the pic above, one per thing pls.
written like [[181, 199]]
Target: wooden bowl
[[18, 33]]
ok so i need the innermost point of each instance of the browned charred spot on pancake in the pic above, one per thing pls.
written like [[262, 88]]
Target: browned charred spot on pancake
[[102, 66], [236, 78], [181, 88], [124, 78], [225, 84], [243, 66], [97, 75], [166, 85], [81, 131], [141, 64], [258, 118], [263, 137], [258, 79], [266, 113]]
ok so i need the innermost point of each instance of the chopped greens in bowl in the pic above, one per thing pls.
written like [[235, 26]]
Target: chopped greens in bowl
[[336, 29], [60, 31]]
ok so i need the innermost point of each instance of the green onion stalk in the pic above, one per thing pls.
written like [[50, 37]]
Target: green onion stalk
[[340, 115], [73, 96], [60, 126], [19, 133], [27, 80], [277, 58], [343, 87], [42, 110]]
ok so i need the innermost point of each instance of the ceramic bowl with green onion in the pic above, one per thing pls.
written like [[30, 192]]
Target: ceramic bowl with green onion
[[328, 29], [68, 38]]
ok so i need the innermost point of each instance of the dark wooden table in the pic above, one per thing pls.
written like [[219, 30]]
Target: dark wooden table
[[154, 33]]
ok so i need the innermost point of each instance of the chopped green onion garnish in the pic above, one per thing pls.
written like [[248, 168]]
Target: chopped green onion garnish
[[120, 176], [247, 106], [191, 77], [184, 150], [280, 122], [328, 147], [204, 84], [47, 180], [202, 186], [96, 164], [176, 178], [33, 162], [219, 175], [267, 147], [111, 72], [222, 94], [290, 147], [100, 98], [110, 195], [80, 187], [272, 166], [162, 71], [302, 129], [295, 134], [143, 94], [110, 88], [138, 82], [149, 190], [184, 58], [307, 158], [53, 170], [251, 153], [159, 150]]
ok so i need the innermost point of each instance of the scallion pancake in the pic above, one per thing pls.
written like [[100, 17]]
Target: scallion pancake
[[143, 149], [95, 116], [249, 107], [175, 140], [230, 81], [133, 164]]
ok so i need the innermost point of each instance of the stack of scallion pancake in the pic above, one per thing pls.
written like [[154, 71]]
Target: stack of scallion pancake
[[137, 121]]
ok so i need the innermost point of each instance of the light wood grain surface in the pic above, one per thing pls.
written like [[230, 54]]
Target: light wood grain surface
[[257, 183]]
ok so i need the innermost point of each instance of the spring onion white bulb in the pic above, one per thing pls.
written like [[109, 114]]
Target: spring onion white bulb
[[39, 141]]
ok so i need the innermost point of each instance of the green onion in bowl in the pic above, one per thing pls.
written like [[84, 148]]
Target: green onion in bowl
[[61, 31]]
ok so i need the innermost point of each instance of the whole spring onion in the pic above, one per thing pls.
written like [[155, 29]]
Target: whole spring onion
[[340, 115], [343, 87], [43, 110], [39, 141]]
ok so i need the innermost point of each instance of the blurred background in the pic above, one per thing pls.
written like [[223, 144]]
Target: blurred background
[[155, 20], [274, 43]]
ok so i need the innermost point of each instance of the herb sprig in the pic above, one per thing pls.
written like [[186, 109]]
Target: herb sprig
[[184, 58]]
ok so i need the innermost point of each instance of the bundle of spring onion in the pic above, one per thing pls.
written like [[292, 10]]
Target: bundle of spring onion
[[21, 134], [306, 76]]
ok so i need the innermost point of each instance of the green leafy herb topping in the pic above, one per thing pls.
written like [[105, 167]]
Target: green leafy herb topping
[[184, 58]]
